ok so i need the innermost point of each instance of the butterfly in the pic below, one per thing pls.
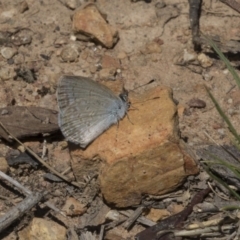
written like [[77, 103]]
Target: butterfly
[[87, 108]]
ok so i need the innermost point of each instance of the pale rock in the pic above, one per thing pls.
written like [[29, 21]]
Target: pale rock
[[72, 4], [90, 22], [157, 214], [7, 73], [70, 53], [41, 229], [73, 207], [141, 154], [204, 60], [3, 164], [8, 52]]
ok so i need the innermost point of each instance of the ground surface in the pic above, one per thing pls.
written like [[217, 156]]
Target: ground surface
[[48, 22]]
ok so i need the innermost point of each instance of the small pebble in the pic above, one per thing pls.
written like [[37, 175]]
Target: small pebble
[[72, 4], [188, 56], [4, 112], [69, 53], [22, 38], [8, 52], [196, 103], [204, 60], [7, 73], [60, 41]]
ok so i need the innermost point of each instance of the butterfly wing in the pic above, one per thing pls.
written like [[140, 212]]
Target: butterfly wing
[[86, 109], [71, 88], [82, 125]]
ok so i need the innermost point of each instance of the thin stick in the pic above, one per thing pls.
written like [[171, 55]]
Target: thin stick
[[28, 192], [101, 232], [140, 219], [39, 159], [18, 210], [133, 217], [15, 183]]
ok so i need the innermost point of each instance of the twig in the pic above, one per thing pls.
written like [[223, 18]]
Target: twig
[[54, 208], [101, 232], [28, 192], [174, 221], [200, 231], [17, 211], [15, 183], [39, 159], [141, 219], [133, 217], [210, 186], [233, 4], [194, 15], [209, 223]]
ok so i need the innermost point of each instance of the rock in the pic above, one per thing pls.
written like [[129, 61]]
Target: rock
[[70, 53], [22, 37], [7, 73], [3, 164], [72, 4], [60, 41], [157, 214], [41, 229], [73, 207], [8, 52], [196, 103], [90, 22], [184, 58], [204, 60], [138, 158]]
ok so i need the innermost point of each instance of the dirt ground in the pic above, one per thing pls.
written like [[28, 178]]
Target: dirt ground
[[47, 25]]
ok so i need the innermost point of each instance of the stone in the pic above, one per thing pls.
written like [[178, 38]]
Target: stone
[[196, 103], [157, 214], [3, 164], [41, 229], [72, 4], [140, 155], [90, 22], [204, 60], [73, 207], [7, 73], [69, 53], [8, 52]]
